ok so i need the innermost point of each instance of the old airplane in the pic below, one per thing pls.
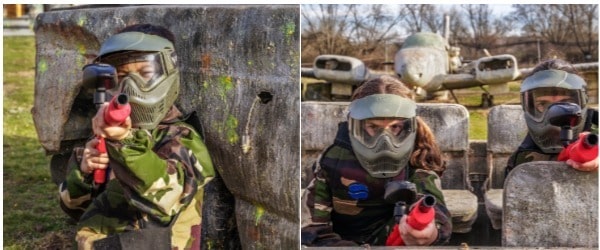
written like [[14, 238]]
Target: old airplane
[[431, 67]]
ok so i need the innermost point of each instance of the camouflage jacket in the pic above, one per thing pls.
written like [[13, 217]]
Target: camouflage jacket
[[528, 151], [338, 214], [157, 177]]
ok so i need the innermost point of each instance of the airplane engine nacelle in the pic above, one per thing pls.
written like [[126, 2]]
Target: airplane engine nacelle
[[496, 69], [340, 69]]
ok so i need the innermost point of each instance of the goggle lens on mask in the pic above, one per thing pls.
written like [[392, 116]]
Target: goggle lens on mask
[[370, 131], [149, 67], [538, 100]]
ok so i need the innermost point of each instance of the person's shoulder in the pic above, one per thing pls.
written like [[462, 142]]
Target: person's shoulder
[[180, 128], [183, 124], [422, 174], [338, 152]]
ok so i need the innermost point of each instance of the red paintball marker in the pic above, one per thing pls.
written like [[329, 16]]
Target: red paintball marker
[[566, 116], [402, 193], [101, 77], [115, 114], [582, 150], [418, 218]]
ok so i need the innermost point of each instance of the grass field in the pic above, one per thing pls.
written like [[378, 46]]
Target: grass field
[[471, 98], [32, 217]]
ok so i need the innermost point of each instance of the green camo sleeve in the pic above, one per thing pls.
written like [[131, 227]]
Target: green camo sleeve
[[75, 191], [162, 170], [428, 182], [317, 230]]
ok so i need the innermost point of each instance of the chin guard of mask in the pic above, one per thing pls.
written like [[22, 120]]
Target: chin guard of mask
[[152, 90], [148, 108]]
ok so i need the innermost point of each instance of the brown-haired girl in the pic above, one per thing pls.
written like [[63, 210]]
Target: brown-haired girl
[[383, 142]]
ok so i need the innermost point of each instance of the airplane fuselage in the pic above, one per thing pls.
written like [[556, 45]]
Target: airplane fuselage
[[423, 61]]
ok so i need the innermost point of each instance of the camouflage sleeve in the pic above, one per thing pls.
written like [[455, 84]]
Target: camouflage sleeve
[[428, 182], [75, 191], [317, 206], [162, 172]]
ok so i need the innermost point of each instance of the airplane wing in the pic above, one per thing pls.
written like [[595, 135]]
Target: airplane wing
[[494, 71], [461, 81]]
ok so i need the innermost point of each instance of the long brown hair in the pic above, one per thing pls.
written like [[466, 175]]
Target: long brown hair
[[426, 154]]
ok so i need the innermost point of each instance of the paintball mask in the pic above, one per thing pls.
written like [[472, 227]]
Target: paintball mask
[[153, 89], [543, 89], [382, 151]]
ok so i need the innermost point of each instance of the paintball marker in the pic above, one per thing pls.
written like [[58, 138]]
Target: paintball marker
[[566, 116], [102, 77], [583, 150], [403, 193]]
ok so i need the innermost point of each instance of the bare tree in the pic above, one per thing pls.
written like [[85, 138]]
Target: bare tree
[[562, 25], [583, 20], [354, 30], [458, 28], [373, 26], [412, 16], [325, 28], [544, 21], [485, 30], [422, 17]]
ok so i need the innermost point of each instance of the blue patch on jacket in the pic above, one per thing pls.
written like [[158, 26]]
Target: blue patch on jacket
[[358, 191]]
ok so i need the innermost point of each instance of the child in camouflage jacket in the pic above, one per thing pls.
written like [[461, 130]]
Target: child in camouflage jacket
[[157, 165], [382, 142]]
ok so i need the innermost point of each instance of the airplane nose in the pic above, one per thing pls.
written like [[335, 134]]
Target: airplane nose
[[418, 76], [412, 69], [411, 76]]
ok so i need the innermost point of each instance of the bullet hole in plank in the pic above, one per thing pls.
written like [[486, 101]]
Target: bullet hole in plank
[[265, 97]]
